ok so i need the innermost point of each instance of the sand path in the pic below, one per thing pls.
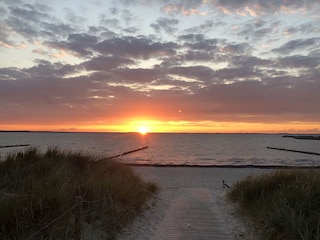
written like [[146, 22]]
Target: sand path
[[191, 204], [192, 215]]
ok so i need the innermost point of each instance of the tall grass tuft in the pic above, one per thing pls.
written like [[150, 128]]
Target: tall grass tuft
[[284, 204], [36, 189]]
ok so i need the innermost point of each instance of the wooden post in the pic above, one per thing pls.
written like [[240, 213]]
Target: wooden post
[[125, 153], [290, 150], [78, 216]]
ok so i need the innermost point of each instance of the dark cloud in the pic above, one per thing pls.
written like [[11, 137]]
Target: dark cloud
[[12, 73], [168, 25], [42, 70], [249, 62], [128, 17], [290, 31], [3, 12], [197, 56], [24, 28], [135, 47], [206, 27], [45, 69], [257, 29], [5, 37], [114, 10], [105, 64], [309, 28], [298, 45], [192, 38], [208, 45], [31, 13], [43, 90], [230, 75], [268, 102], [236, 49], [240, 7], [79, 43], [74, 18], [32, 22], [131, 30], [262, 32], [109, 22], [256, 7], [138, 75], [297, 62], [200, 73]]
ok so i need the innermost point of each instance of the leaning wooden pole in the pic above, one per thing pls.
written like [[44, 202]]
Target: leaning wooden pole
[[291, 150], [125, 153], [18, 145]]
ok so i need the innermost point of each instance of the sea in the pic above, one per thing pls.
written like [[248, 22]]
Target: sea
[[174, 149]]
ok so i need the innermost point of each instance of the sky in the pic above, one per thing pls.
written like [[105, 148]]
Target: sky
[[164, 65]]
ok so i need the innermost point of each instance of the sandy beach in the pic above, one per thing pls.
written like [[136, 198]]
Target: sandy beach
[[173, 180]]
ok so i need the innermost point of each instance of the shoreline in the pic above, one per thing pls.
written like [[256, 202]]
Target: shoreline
[[221, 166]]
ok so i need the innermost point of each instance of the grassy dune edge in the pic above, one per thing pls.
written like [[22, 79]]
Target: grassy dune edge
[[38, 190], [284, 204]]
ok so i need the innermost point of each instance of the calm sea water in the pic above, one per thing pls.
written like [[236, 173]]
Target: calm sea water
[[175, 149]]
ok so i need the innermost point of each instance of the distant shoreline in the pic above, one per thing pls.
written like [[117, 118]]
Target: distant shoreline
[[222, 166], [14, 131], [303, 137]]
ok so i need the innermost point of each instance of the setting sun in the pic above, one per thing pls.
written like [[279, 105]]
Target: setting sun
[[143, 130]]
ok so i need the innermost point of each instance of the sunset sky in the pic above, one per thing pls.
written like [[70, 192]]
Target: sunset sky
[[164, 65]]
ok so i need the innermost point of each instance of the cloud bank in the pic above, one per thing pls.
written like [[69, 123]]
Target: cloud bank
[[219, 61]]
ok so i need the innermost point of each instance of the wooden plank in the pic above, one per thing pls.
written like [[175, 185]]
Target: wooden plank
[[193, 215]]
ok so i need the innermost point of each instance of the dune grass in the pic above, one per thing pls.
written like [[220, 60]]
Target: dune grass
[[36, 188], [284, 204]]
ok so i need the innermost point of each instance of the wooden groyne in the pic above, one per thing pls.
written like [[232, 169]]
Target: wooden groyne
[[125, 153], [18, 145], [291, 150]]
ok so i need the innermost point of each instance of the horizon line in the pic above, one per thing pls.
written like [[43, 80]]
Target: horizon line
[[124, 132]]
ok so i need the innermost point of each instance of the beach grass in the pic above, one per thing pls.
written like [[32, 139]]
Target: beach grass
[[284, 204], [38, 190]]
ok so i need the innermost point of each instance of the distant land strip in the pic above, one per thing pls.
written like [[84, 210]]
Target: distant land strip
[[305, 137], [14, 131]]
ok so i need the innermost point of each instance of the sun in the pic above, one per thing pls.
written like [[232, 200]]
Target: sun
[[143, 130]]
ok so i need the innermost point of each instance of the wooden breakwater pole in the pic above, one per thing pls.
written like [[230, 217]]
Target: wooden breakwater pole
[[125, 153], [291, 150], [17, 145]]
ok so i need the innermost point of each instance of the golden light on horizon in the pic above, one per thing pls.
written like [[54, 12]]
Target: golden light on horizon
[[140, 125], [143, 130]]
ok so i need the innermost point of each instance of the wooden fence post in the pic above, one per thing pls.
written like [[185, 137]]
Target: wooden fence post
[[78, 216]]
